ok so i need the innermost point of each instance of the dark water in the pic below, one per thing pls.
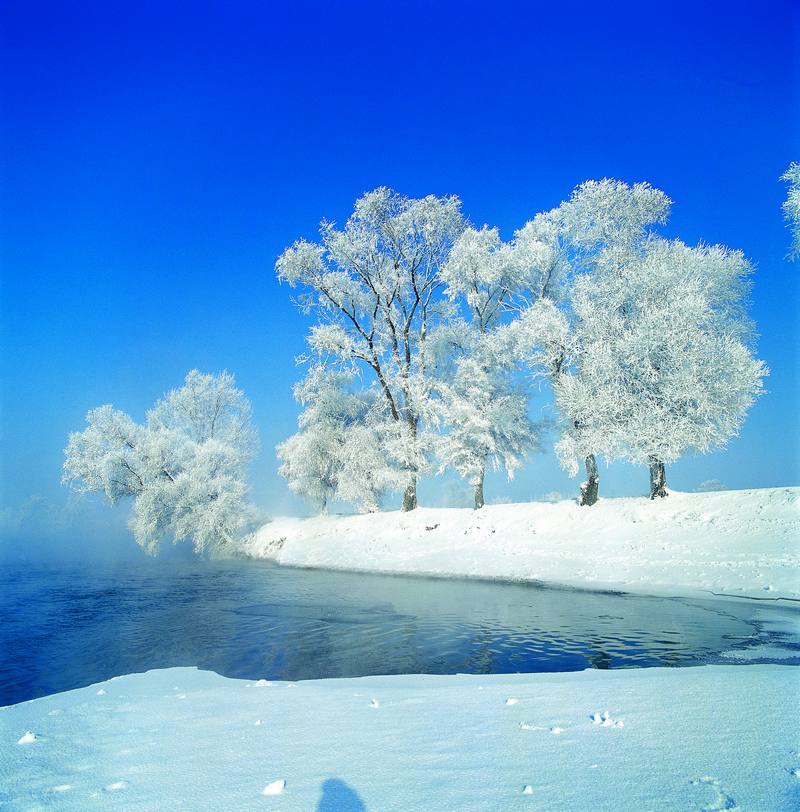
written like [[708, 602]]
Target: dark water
[[63, 628]]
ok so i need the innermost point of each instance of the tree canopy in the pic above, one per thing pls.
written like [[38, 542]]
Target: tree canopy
[[184, 468]]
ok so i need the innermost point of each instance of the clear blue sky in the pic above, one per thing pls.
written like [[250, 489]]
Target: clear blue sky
[[157, 157]]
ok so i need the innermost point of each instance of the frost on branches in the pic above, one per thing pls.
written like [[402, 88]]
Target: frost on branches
[[343, 448], [410, 302], [657, 359], [423, 325], [481, 407], [185, 468], [791, 206], [374, 286], [485, 420], [601, 227]]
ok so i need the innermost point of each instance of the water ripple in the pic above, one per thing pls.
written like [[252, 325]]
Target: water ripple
[[62, 628]]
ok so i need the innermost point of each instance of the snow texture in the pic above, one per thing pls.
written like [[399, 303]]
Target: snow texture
[[741, 543], [713, 737]]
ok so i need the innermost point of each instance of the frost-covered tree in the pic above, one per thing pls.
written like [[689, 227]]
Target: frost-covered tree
[[486, 420], [595, 232], [656, 357], [646, 343], [338, 452], [311, 459], [665, 364], [369, 470], [375, 287], [184, 468], [791, 206], [604, 225], [649, 353], [483, 413]]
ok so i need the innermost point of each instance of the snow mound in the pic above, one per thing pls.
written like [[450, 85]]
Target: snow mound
[[730, 746], [275, 788], [740, 543]]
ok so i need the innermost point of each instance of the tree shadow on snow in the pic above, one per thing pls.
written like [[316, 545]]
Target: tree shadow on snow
[[339, 797]]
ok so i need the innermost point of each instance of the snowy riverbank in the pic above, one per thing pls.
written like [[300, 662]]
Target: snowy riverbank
[[742, 543], [715, 737]]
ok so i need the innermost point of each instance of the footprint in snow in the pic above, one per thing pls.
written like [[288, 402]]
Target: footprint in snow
[[721, 801], [28, 737], [604, 720], [275, 788]]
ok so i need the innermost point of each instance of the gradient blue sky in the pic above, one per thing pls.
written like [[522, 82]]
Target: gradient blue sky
[[157, 157]]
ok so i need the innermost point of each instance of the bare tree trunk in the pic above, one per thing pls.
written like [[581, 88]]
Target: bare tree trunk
[[410, 495], [590, 489], [479, 489], [658, 478]]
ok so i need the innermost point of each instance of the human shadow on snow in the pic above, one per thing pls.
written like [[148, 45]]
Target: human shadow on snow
[[337, 796]]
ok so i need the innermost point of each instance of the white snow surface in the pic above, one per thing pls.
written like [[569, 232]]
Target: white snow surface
[[711, 737], [742, 543]]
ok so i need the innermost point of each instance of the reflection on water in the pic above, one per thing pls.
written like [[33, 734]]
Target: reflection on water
[[63, 627]]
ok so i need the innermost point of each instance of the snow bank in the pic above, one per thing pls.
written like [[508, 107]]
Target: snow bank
[[728, 542], [715, 737]]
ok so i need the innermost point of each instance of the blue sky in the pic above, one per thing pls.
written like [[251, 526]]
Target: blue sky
[[157, 158]]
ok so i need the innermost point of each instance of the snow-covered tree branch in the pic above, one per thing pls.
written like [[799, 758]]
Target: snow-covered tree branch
[[646, 342], [660, 357], [184, 469], [481, 408], [375, 286], [344, 447], [791, 206]]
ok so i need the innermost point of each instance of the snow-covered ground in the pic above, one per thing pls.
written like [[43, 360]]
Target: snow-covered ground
[[729, 542], [714, 737]]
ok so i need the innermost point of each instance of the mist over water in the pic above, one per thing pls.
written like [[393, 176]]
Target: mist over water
[[68, 626], [73, 529]]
